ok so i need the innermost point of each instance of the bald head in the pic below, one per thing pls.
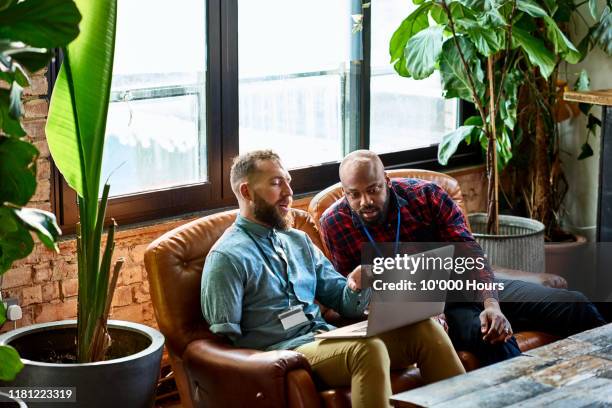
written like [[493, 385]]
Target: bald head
[[361, 165], [364, 182]]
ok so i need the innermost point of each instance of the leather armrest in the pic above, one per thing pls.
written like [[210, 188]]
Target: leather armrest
[[545, 279], [224, 376]]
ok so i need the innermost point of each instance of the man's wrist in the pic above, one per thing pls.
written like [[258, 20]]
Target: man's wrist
[[491, 303]]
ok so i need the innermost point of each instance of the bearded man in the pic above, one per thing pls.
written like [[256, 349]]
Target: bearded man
[[261, 271]]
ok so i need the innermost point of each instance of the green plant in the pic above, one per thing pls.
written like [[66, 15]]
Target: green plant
[[482, 49], [29, 30], [75, 131], [535, 183]]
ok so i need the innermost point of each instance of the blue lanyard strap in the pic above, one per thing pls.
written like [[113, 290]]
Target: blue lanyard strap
[[397, 235]]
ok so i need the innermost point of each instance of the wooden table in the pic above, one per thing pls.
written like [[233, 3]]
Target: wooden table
[[576, 371]]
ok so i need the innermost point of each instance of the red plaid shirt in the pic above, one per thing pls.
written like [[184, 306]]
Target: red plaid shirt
[[427, 212]]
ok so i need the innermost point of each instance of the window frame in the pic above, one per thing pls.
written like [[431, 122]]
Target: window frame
[[222, 127]]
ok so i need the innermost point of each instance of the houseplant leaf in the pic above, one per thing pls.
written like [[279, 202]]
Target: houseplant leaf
[[11, 363], [423, 51], [15, 240], [602, 35], [450, 142], [536, 51], [415, 22], [43, 223], [41, 23], [454, 78], [17, 170]]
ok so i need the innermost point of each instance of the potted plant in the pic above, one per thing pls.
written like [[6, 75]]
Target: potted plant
[[481, 50], [23, 51], [535, 182], [124, 355]]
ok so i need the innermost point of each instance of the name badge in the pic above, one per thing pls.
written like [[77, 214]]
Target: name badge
[[292, 317]]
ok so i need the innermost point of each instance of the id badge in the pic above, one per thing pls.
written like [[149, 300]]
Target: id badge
[[292, 317]]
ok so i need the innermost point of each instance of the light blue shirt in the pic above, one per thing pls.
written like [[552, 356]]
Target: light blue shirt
[[245, 286]]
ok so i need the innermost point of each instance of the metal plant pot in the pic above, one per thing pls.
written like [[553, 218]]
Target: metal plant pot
[[127, 379], [519, 244]]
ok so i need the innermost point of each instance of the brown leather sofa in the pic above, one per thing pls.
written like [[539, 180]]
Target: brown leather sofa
[[209, 371]]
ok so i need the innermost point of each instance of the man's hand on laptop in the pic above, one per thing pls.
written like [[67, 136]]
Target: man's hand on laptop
[[353, 279], [493, 324]]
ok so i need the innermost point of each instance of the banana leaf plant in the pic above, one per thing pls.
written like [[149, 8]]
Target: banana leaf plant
[[481, 49], [76, 127], [29, 31]]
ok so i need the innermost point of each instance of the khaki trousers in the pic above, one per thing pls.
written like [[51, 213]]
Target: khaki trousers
[[365, 363]]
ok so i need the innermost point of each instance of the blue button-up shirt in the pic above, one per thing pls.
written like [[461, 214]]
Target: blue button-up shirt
[[253, 273]]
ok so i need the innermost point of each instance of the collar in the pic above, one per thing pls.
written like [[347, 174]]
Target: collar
[[254, 228], [395, 199]]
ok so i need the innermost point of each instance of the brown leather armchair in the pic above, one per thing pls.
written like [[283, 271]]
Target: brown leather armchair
[[526, 340], [209, 371]]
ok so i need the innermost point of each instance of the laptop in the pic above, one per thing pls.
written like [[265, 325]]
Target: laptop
[[400, 309]]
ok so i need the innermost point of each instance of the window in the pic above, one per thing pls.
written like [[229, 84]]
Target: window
[[199, 82]]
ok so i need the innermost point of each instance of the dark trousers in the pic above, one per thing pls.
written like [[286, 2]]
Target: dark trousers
[[528, 306]]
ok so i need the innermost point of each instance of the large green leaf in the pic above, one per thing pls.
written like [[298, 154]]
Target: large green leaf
[[423, 51], [10, 125], [31, 58], [454, 77], [450, 142], [41, 23], [602, 36], [78, 152], [15, 240], [509, 103], [17, 170], [536, 51], [43, 223], [11, 363], [415, 22], [486, 40], [593, 8], [562, 45]]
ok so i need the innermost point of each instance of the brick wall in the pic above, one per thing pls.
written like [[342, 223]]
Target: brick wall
[[46, 283]]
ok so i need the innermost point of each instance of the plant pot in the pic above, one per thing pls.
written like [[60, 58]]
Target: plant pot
[[127, 379], [6, 401], [519, 244], [567, 259]]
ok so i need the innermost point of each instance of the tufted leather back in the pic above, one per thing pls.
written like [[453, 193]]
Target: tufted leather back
[[174, 265], [327, 197]]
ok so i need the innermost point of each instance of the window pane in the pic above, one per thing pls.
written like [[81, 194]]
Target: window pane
[[404, 113], [155, 135], [293, 65]]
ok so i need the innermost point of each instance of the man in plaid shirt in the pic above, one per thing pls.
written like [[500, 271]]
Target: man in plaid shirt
[[428, 214]]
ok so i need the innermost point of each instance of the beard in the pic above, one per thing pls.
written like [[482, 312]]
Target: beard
[[382, 213], [271, 215]]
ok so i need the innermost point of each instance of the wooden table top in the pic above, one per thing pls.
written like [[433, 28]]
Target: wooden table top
[[602, 97], [576, 371]]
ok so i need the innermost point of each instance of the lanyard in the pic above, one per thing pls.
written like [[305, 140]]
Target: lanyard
[[285, 277], [397, 234]]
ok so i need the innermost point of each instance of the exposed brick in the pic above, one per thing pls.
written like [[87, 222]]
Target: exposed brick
[[13, 293], [50, 291], [49, 312], [27, 319], [43, 169], [17, 277], [132, 313], [31, 295], [41, 205], [43, 191], [137, 253], [122, 296], [69, 287], [147, 312], [64, 270], [35, 128], [43, 149], [41, 273], [36, 108], [129, 275], [141, 292], [38, 86]]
